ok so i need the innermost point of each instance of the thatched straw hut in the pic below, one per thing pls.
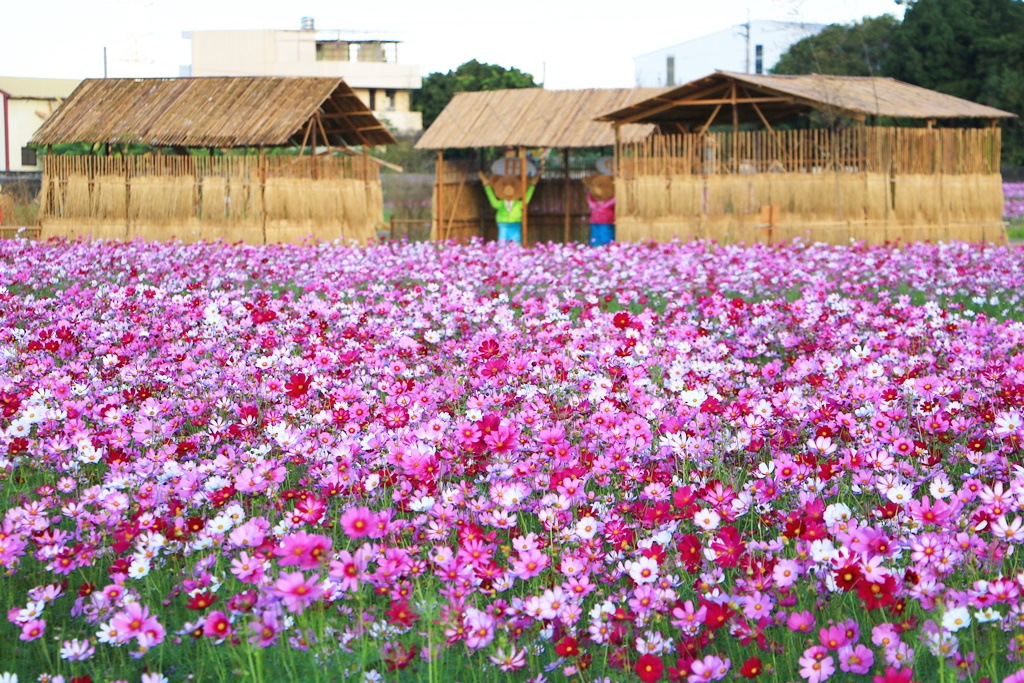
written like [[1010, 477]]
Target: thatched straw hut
[[840, 181], [233, 190], [484, 125]]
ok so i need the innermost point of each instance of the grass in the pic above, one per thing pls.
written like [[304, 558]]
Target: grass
[[1015, 229]]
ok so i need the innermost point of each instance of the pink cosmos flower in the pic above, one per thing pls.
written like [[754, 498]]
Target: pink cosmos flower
[[801, 622], [348, 569], [136, 621], [357, 522], [710, 668], [296, 592], [248, 569], [529, 564], [815, 665], [479, 629], [856, 659], [265, 629], [32, 629], [303, 550], [757, 605], [217, 625]]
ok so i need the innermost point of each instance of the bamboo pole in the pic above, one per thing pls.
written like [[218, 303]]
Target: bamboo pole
[[439, 208], [522, 177], [263, 193], [568, 197]]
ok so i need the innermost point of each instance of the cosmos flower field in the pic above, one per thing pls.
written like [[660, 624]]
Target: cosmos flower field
[[482, 463]]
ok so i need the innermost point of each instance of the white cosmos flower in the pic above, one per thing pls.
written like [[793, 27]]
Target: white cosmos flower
[[956, 619], [707, 520]]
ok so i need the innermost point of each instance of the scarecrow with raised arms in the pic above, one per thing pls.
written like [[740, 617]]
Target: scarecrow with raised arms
[[507, 195]]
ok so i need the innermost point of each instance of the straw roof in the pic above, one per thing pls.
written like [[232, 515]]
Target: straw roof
[[763, 98], [211, 112], [533, 117]]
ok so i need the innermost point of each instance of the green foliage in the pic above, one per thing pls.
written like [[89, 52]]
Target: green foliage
[[473, 76], [971, 49], [967, 48], [857, 49]]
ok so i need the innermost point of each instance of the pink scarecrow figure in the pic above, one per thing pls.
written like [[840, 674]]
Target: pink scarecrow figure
[[601, 200]]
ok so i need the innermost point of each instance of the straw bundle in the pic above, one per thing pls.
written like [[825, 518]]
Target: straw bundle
[[111, 197], [77, 201], [651, 197], [215, 205], [158, 200], [877, 202], [686, 195]]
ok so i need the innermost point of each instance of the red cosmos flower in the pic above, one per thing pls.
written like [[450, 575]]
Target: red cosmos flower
[[649, 668], [201, 601], [848, 577], [568, 647], [690, 553], [717, 615], [751, 668], [401, 613], [398, 657], [877, 595], [729, 548], [297, 385], [488, 349]]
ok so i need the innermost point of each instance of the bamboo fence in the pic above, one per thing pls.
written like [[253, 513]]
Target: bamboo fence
[[255, 199], [863, 183]]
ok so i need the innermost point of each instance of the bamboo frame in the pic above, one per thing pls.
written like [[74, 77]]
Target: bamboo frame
[[863, 183], [254, 198]]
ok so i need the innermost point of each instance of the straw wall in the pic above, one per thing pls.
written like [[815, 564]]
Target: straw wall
[[240, 198], [872, 184]]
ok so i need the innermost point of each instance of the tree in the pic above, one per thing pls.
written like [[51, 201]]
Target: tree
[[968, 48], [857, 49], [473, 76]]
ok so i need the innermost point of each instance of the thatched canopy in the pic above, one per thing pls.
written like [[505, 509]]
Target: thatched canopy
[[533, 117], [213, 112], [767, 100]]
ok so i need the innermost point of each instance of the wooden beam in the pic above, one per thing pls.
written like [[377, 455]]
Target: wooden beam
[[757, 109], [711, 119], [670, 105]]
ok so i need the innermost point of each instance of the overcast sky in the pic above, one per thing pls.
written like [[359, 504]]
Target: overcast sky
[[571, 44]]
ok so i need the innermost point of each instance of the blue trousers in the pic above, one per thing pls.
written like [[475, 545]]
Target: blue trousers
[[510, 232], [601, 233]]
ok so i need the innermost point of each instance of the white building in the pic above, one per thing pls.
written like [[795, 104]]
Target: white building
[[369, 66], [24, 104], [753, 47]]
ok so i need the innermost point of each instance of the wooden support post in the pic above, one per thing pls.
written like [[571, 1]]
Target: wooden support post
[[711, 119], [439, 203], [523, 178], [305, 138], [568, 197], [263, 192], [735, 112]]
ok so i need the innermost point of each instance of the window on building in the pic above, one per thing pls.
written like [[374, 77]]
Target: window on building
[[670, 70], [373, 100], [28, 157], [389, 96], [759, 59]]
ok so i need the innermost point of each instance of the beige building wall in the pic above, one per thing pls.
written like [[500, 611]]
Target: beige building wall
[[294, 53], [29, 102]]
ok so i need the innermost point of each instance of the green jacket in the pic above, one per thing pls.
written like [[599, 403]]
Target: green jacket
[[508, 212]]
